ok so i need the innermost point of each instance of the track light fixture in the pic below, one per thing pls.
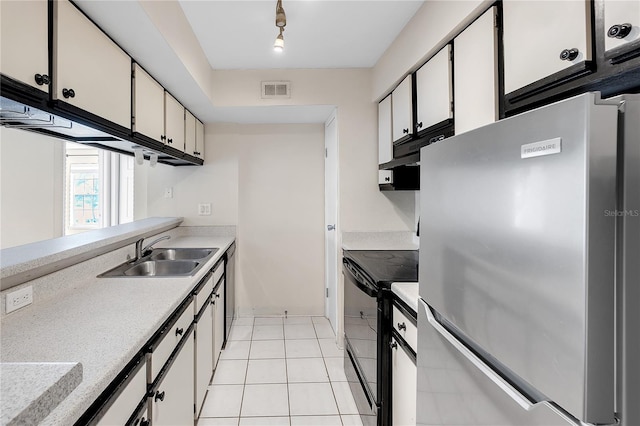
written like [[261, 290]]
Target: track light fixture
[[281, 22]]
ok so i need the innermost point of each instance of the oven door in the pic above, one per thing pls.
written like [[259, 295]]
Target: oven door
[[361, 310]]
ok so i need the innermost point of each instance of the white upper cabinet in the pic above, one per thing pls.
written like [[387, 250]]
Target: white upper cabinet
[[24, 42], [174, 122], [542, 38], [199, 152], [402, 107], [91, 71], [621, 22], [148, 105], [434, 92], [476, 74], [385, 142], [189, 133]]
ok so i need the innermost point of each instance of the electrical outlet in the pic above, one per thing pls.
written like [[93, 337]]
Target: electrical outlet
[[19, 298], [204, 209]]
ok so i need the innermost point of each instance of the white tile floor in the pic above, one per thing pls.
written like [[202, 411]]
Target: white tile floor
[[280, 372]]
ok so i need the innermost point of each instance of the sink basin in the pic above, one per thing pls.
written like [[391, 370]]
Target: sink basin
[[152, 268], [181, 253], [164, 262]]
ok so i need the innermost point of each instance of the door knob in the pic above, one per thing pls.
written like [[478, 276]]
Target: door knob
[[331, 227], [569, 54], [619, 31]]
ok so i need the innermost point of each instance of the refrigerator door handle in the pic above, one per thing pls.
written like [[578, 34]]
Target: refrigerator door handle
[[484, 368]]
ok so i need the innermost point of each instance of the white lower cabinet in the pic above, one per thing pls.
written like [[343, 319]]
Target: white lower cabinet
[[404, 386], [203, 354], [218, 322], [172, 401], [127, 401]]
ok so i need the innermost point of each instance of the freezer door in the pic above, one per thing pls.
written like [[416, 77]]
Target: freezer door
[[456, 388], [517, 251]]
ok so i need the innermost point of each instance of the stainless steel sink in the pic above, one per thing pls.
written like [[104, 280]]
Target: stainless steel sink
[[164, 262], [151, 268], [181, 253]]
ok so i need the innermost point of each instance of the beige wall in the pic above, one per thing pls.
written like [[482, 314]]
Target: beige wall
[[269, 181], [31, 187], [436, 22]]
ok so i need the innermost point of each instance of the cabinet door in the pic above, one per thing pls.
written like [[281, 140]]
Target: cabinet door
[[172, 403], [616, 14], [148, 105], [385, 142], [189, 133], [404, 387], [174, 122], [91, 65], [218, 324], [476, 73], [199, 139], [204, 355], [127, 402], [402, 110], [433, 90], [535, 34], [24, 41]]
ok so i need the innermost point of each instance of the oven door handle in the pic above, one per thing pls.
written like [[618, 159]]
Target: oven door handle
[[359, 279]]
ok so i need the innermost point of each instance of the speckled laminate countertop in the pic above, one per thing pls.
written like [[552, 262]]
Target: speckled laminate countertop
[[101, 323]]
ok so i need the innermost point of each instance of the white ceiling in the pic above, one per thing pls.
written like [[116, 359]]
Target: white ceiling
[[239, 34]]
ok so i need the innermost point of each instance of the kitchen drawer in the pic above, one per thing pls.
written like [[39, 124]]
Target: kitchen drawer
[[172, 335], [385, 176], [406, 327], [202, 295], [218, 273]]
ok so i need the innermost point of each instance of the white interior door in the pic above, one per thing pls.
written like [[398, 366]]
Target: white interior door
[[331, 219]]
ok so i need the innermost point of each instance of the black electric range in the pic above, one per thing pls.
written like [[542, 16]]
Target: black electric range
[[368, 275]]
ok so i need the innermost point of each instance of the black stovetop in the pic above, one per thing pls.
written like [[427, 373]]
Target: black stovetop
[[386, 266]]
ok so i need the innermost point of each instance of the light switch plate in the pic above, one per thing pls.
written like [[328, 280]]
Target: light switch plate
[[204, 209]]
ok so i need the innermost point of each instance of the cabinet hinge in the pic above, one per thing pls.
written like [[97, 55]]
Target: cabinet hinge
[[451, 106], [326, 153], [194, 408], [327, 292]]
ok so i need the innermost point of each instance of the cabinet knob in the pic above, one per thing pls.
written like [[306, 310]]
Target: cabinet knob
[[144, 422], [619, 31], [213, 301], [159, 396], [569, 54], [179, 331], [420, 125], [387, 179], [402, 326], [170, 140], [405, 131], [68, 93], [163, 137], [41, 79], [393, 345]]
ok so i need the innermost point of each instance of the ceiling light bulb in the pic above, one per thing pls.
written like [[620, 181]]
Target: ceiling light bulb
[[278, 46]]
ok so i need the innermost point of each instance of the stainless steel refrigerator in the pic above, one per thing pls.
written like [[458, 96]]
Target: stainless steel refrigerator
[[530, 269]]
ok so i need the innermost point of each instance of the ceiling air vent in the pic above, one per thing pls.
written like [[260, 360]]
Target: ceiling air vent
[[276, 89]]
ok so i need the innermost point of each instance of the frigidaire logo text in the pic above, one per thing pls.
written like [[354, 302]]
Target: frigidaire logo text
[[539, 148]]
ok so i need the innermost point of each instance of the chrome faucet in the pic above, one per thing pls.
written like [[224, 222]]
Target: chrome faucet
[[141, 251]]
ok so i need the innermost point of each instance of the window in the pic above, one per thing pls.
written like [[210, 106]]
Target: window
[[98, 188]]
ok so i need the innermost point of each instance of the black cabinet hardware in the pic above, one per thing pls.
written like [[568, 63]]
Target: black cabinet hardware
[[162, 137], [218, 296], [144, 422], [569, 54], [196, 153], [68, 93], [179, 331], [159, 396], [393, 345], [170, 140], [387, 179], [405, 131], [619, 31], [41, 79], [419, 125], [402, 326]]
